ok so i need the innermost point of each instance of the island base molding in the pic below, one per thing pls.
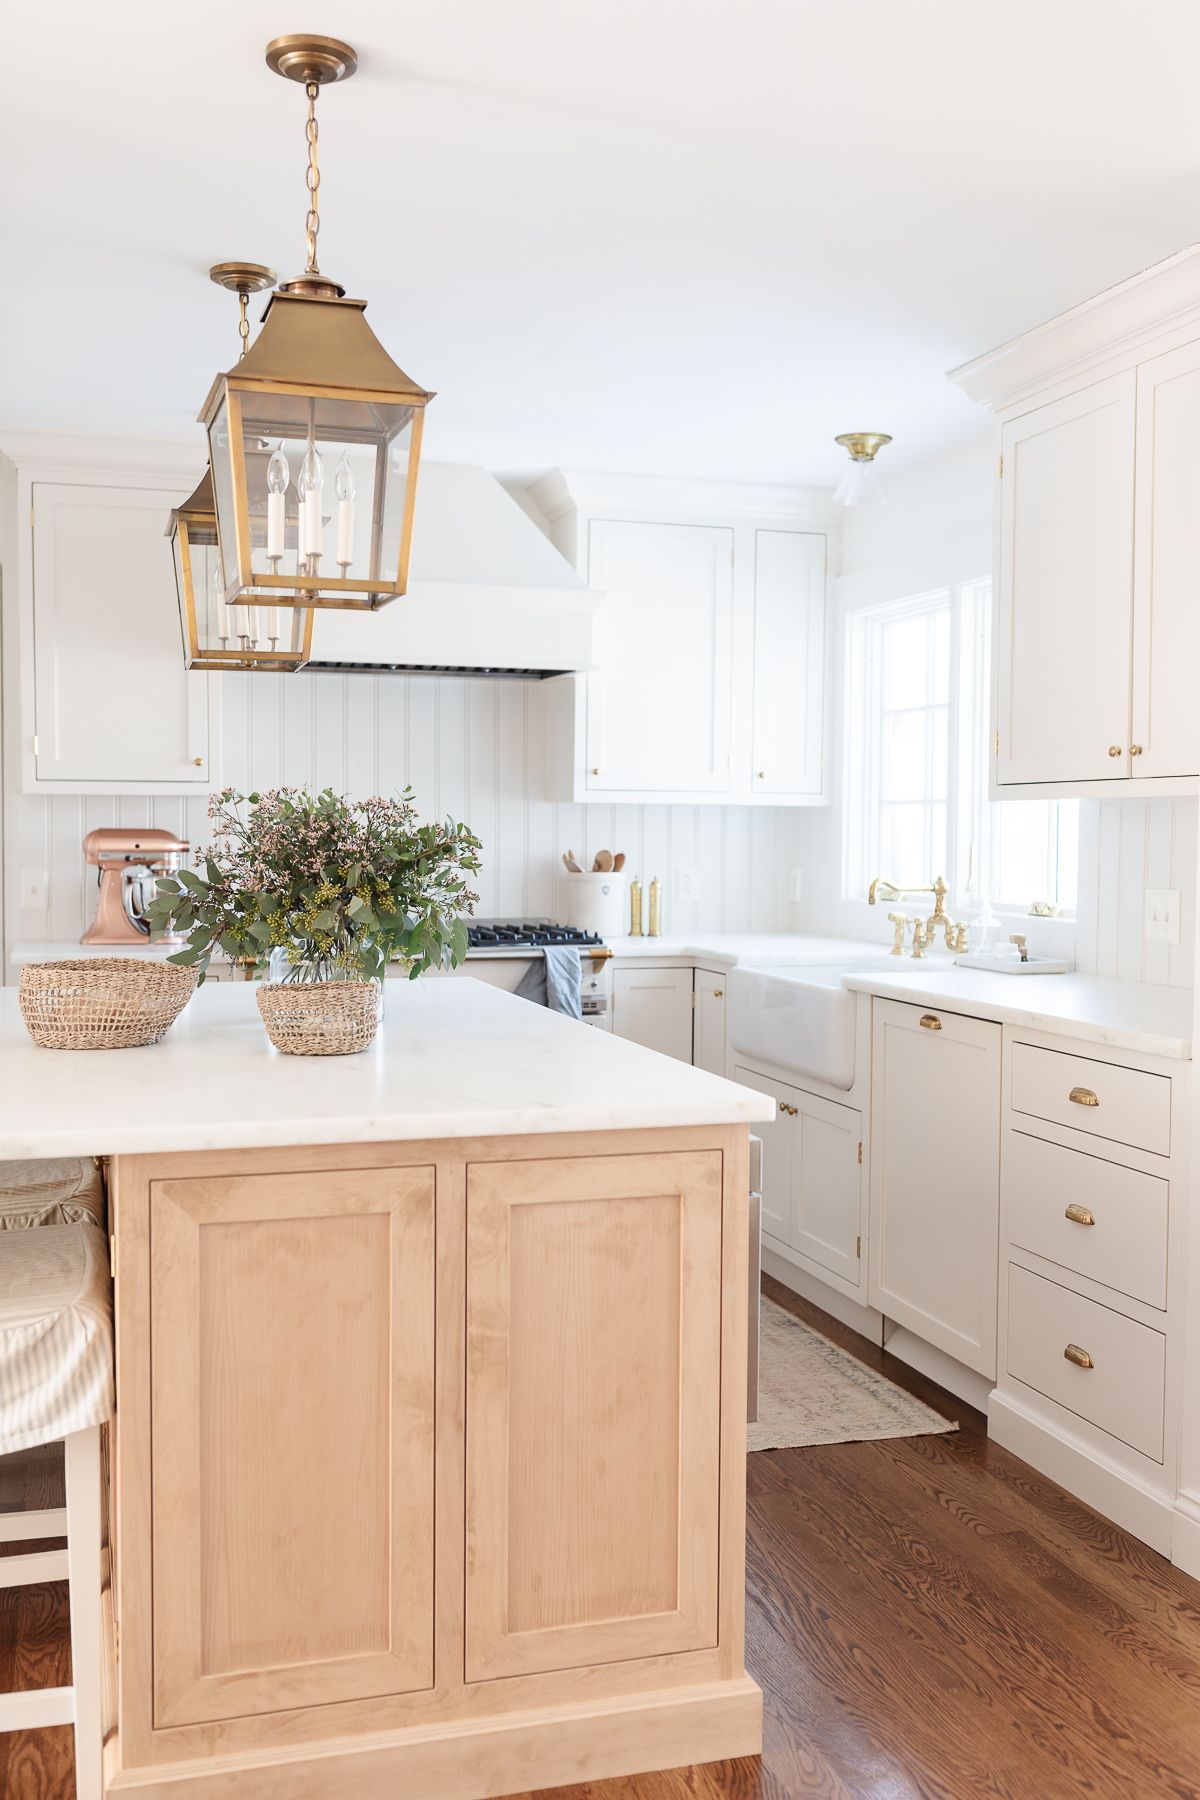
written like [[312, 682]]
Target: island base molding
[[429, 1465], [548, 1749]]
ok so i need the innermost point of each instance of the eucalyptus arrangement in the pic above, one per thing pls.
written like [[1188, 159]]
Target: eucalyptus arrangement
[[335, 888]]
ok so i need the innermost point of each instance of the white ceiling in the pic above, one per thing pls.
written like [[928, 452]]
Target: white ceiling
[[668, 236]]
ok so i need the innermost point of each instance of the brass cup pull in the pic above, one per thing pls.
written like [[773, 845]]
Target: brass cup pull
[[1079, 1215], [931, 1022], [1082, 1097], [1114, 749], [1079, 1357]]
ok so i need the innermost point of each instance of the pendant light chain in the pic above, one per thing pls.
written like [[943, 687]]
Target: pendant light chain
[[243, 321], [312, 180]]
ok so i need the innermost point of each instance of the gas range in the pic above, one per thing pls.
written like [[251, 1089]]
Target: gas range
[[499, 952]]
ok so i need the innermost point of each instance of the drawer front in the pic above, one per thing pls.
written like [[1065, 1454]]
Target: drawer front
[[1099, 1218], [1122, 1392], [1127, 1105]]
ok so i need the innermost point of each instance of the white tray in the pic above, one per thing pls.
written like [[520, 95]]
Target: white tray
[[1037, 965]]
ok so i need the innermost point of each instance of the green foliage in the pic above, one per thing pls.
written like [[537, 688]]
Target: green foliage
[[354, 884]]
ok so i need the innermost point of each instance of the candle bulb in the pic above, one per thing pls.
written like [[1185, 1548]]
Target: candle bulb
[[217, 591], [278, 475], [272, 625], [312, 480], [344, 489]]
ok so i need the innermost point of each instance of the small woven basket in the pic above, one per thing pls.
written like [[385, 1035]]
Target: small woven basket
[[320, 1018], [103, 1002]]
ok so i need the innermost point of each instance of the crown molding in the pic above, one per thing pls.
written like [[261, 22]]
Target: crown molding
[[128, 456], [665, 497], [1110, 328]]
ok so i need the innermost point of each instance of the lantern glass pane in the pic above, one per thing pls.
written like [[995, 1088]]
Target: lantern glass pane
[[357, 452], [221, 464]]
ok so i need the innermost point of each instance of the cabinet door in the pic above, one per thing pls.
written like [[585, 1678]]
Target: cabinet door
[[113, 703], [789, 662], [1064, 606], [708, 1031], [778, 1142], [827, 1185], [658, 707], [1166, 616], [593, 1411], [935, 1177], [654, 1007], [292, 1340]]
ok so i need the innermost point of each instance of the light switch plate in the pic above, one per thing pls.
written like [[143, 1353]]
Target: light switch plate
[[33, 889], [687, 883], [1162, 915]]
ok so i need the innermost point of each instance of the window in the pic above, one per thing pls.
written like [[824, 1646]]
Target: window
[[917, 675]]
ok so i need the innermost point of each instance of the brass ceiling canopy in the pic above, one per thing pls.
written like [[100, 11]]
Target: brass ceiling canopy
[[863, 446], [315, 434], [301, 56], [242, 279]]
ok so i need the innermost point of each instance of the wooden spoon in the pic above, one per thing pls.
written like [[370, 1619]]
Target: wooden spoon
[[618, 862], [603, 862], [572, 866]]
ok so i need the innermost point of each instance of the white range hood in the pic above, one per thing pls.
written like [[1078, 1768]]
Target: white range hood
[[488, 593]]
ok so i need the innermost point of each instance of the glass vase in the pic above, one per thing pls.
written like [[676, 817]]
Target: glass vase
[[283, 967]]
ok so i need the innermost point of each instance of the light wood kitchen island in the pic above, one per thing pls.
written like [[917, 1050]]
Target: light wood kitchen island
[[428, 1471]]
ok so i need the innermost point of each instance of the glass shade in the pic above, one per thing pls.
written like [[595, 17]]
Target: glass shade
[[860, 486], [217, 635], [314, 443]]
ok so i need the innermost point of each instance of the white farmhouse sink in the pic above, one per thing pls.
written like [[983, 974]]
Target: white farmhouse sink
[[798, 1017]]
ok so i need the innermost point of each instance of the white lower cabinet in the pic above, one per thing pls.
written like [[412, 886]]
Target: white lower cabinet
[[654, 1007], [708, 1031], [812, 1178], [935, 1177]]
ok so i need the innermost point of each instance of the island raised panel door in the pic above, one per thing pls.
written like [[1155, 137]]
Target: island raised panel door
[[659, 704], [113, 703], [1064, 603], [935, 1177], [593, 1411], [789, 663], [292, 1396], [1166, 607]]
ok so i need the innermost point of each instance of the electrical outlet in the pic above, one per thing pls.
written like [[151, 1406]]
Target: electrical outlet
[[687, 883], [33, 888], [1162, 915]]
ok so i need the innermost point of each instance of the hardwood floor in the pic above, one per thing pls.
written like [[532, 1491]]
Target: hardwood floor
[[928, 1618]]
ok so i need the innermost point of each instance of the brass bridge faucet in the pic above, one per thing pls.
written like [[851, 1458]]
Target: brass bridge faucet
[[924, 930]]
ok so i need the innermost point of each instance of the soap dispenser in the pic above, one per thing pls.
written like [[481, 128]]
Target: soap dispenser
[[984, 926]]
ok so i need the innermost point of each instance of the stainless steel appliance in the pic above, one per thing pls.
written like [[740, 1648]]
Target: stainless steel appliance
[[500, 952], [129, 861]]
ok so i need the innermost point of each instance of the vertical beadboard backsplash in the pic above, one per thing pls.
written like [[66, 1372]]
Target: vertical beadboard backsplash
[[471, 748], [1126, 846]]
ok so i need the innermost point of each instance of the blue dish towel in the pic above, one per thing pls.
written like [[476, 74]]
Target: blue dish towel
[[553, 980]]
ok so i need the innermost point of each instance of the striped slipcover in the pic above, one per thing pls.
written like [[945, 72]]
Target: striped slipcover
[[56, 1334], [58, 1190]]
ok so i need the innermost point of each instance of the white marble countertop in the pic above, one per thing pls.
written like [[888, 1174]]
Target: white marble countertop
[[726, 949], [452, 1059], [1130, 1015]]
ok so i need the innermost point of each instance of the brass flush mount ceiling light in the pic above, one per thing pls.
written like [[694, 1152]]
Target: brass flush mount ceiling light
[[315, 434], [860, 485], [215, 634]]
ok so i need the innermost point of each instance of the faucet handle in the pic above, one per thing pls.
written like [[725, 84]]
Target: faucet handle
[[1018, 939], [919, 938]]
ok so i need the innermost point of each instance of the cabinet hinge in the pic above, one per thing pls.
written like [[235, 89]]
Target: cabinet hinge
[[1002, 468], [858, 1248], [693, 999], [35, 743], [997, 743], [860, 1155], [32, 516]]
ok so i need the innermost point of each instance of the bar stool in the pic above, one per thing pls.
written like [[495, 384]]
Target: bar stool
[[56, 1381]]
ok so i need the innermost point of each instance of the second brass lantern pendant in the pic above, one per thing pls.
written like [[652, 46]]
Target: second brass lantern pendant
[[315, 434]]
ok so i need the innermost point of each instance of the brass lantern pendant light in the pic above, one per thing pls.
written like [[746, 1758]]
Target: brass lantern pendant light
[[315, 434], [215, 634]]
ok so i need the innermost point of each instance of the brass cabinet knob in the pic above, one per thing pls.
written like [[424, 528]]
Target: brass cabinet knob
[[1079, 1357], [199, 761], [717, 993], [931, 1022], [1114, 749], [1135, 749], [792, 1111], [595, 771], [1079, 1215], [761, 776], [1083, 1097]]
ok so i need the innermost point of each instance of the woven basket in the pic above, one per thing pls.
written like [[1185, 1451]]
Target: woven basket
[[320, 1018], [103, 1002]]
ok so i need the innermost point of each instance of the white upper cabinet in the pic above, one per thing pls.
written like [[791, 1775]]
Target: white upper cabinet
[[711, 643], [107, 706], [1166, 573], [1065, 598], [788, 727], [1098, 542], [669, 611]]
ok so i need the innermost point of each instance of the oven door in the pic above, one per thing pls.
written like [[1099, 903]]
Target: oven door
[[506, 969]]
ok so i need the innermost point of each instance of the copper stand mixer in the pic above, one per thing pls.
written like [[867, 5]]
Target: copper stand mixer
[[130, 861]]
